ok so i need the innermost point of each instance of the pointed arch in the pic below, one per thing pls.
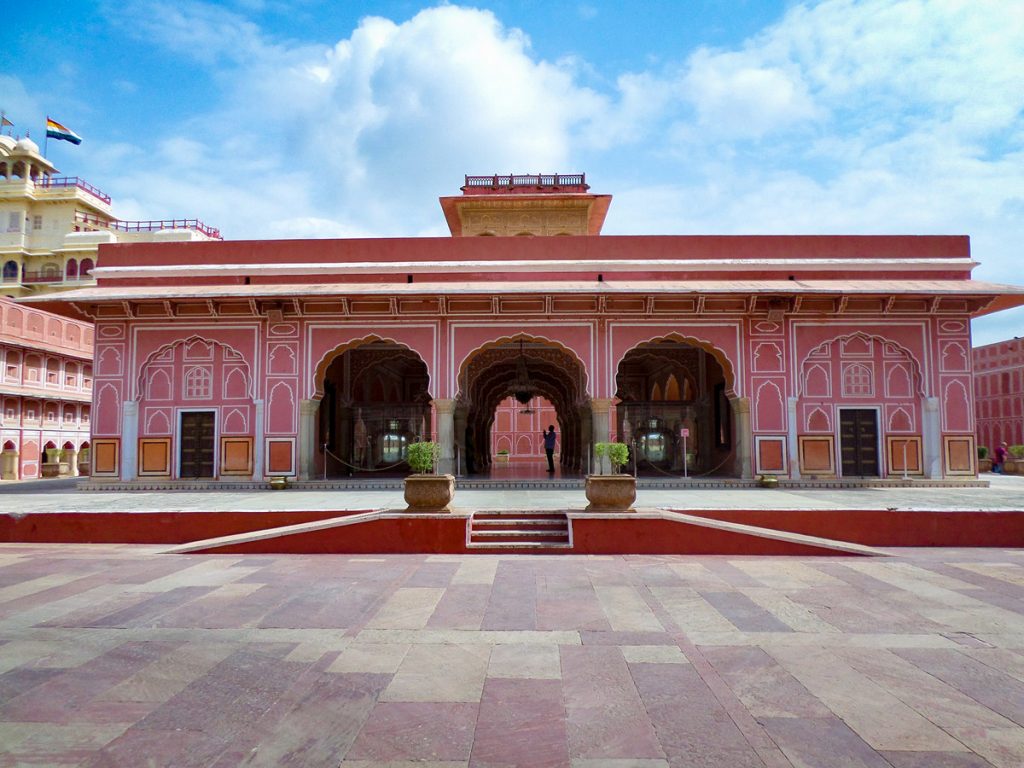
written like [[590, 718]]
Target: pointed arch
[[732, 386], [822, 350], [228, 352], [320, 370], [527, 338]]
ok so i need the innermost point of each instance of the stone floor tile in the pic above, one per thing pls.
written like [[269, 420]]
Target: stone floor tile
[[764, 687], [521, 722], [935, 760], [605, 716], [538, 662], [821, 743], [744, 613], [380, 658], [462, 607], [691, 612], [476, 570], [513, 602], [450, 673], [618, 763], [653, 654], [626, 609], [795, 616], [691, 725], [407, 608], [416, 731], [874, 714]]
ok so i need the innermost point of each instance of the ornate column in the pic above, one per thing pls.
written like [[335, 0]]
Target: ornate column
[[129, 439], [258, 470], [600, 428], [586, 448], [444, 410], [307, 438], [459, 421], [794, 446], [71, 457], [744, 437], [931, 437]]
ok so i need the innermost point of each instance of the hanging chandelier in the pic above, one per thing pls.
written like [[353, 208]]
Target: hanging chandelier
[[522, 388]]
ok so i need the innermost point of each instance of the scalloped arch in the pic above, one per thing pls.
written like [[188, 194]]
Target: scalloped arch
[[460, 379], [155, 355], [718, 354], [917, 378], [320, 371]]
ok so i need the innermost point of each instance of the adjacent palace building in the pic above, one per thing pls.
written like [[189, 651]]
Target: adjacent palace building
[[51, 228], [802, 356]]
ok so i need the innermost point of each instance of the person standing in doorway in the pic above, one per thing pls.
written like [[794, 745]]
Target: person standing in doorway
[[549, 446], [999, 459]]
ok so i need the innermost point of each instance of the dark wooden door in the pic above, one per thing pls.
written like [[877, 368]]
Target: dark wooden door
[[197, 433], [858, 440]]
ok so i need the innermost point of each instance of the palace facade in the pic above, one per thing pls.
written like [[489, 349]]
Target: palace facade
[[726, 356], [999, 393], [45, 393], [51, 226]]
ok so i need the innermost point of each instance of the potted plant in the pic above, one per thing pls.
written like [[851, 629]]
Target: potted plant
[[1014, 464], [426, 491], [615, 492], [984, 462]]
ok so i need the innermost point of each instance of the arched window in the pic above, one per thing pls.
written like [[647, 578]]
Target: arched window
[[71, 269], [10, 270], [198, 383], [86, 267], [858, 380]]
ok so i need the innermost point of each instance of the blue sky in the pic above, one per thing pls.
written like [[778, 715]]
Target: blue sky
[[277, 118]]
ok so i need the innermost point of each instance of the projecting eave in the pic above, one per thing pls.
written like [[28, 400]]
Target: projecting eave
[[985, 297]]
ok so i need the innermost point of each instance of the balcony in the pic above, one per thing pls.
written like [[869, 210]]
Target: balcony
[[526, 184], [49, 276], [85, 222], [57, 182]]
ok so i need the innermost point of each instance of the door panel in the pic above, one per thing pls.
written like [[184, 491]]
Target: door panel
[[858, 441], [197, 444]]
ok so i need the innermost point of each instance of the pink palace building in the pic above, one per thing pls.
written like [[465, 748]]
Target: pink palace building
[[45, 392], [796, 356], [999, 393]]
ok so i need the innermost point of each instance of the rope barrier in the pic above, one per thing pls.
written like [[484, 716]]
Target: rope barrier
[[340, 460]]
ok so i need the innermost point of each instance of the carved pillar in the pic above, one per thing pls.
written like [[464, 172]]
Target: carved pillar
[[9, 465], [742, 435], [794, 447], [307, 438], [343, 437], [600, 429], [71, 458], [459, 420], [444, 411], [931, 437], [258, 470], [586, 447], [129, 439]]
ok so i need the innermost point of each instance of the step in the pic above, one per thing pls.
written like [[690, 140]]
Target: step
[[539, 535], [514, 545], [523, 523]]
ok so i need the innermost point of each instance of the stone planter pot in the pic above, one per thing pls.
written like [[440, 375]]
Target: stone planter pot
[[429, 493], [50, 469], [1014, 466], [278, 483], [611, 493], [984, 465]]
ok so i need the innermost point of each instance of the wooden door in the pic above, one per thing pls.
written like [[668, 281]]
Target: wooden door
[[197, 444], [858, 440]]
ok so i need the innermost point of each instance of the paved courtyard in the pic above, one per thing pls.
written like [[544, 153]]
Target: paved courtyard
[[121, 656]]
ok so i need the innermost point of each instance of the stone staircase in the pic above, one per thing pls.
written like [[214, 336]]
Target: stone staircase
[[522, 530]]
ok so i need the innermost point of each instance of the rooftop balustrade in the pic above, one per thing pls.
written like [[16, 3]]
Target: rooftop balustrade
[[526, 183]]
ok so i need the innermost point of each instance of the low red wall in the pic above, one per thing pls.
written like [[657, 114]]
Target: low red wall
[[641, 536], [144, 527], [392, 535], [883, 528]]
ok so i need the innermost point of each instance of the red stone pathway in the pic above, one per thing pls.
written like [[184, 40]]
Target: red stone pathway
[[119, 656]]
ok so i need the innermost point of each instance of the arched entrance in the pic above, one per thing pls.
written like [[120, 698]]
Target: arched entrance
[[375, 403], [674, 409], [530, 370]]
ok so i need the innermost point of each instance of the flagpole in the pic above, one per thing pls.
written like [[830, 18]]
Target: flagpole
[[46, 139]]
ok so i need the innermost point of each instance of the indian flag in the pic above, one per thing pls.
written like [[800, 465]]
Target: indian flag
[[55, 130]]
